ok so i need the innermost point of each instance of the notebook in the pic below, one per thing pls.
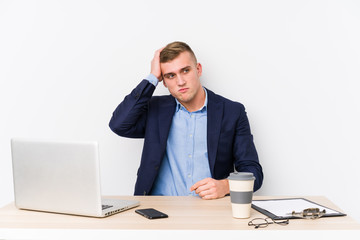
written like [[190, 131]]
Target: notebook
[[61, 177]]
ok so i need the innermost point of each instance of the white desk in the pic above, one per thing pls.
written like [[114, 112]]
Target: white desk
[[188, 217]]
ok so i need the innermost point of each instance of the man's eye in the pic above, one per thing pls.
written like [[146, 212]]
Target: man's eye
[[171, 75], [186, 70]]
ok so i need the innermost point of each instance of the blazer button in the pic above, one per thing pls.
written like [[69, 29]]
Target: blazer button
[[157, 168]]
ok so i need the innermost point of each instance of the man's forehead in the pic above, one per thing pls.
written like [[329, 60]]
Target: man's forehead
[[184, 60]]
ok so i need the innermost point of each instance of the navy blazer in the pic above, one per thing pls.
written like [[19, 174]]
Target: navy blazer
[[229, 140]]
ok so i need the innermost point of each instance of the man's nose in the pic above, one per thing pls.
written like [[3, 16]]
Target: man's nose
[[180, 81]]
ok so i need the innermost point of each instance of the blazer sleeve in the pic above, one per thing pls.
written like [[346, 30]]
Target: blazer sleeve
[[129, 118], [246, 157]]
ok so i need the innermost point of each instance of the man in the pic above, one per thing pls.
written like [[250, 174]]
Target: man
[[193, 137]]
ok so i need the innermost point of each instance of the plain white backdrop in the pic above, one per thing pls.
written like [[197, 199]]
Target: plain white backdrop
[[295, 65]]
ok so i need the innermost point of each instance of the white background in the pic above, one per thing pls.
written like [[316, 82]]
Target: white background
[[295, 65]]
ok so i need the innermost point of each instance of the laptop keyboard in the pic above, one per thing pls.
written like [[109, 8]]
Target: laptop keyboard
[[106, 206]]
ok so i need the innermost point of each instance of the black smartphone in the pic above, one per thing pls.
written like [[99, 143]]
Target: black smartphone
[[151, 213]]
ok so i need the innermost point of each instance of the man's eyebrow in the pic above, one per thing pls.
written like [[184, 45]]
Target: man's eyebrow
[[185, 68], [181, 69], [166, 74]]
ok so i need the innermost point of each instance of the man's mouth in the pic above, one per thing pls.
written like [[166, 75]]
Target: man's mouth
[[183, 90]]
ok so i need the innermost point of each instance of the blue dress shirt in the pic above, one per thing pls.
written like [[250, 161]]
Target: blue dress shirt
[[186, 158]]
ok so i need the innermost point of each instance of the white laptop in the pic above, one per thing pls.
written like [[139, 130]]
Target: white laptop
[[61, 177]]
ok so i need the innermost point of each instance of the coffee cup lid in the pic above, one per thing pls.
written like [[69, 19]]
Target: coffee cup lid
[[241, 176]]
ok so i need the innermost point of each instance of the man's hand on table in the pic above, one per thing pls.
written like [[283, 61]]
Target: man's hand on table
[[210, 188]]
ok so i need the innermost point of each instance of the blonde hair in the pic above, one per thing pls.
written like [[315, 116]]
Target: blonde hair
[[173, 50]]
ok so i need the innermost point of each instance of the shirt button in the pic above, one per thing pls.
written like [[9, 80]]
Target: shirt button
[[189, 176], [190, 135], [190, 156]]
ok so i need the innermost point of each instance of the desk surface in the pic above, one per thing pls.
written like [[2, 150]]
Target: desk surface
[[185, 213]]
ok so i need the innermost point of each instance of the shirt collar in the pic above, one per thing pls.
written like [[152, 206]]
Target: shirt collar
[[203, 108]]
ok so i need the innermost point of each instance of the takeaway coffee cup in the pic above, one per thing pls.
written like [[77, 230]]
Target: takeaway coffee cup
[[241, 192]]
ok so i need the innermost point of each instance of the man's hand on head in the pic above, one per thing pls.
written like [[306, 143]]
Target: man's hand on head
[[155, 65], [210, 188]]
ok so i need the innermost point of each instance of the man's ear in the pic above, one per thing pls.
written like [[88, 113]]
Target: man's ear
[[199, 69]]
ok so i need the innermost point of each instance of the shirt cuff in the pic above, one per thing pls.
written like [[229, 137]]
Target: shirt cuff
[[152, 79]]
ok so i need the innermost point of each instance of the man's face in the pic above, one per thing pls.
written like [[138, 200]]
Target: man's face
[[182, 78]]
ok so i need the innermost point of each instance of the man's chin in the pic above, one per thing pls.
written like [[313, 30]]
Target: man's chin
[[182, 100]]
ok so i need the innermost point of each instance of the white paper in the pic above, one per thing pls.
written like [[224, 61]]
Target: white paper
[[284, 207]]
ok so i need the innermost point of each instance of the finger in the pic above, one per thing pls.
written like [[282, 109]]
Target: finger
[[208, 195], [202, 188], [195, 186], [159, 51], [205, 193], [210, 184], [198, 184]]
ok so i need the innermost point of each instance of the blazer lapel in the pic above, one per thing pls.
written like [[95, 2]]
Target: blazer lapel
[[214, 119], [165, 119]]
